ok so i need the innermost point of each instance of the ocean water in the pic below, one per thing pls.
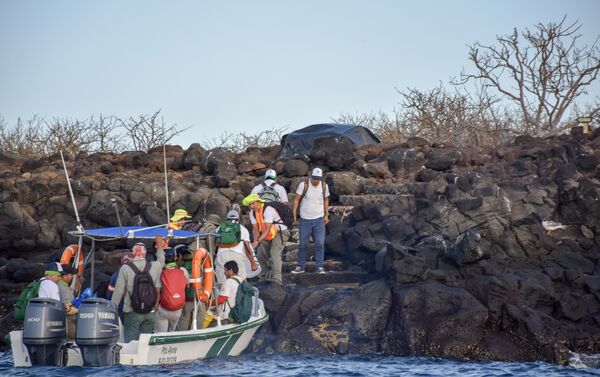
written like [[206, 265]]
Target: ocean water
[[312, 365]]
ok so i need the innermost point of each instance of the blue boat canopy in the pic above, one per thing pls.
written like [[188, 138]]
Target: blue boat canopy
[[139, 232]]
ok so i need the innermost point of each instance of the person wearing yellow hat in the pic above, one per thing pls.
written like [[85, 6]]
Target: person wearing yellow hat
[[269, 235], [178, 219]]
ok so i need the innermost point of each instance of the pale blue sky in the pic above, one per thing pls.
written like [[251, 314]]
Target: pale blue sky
[[244, 65]]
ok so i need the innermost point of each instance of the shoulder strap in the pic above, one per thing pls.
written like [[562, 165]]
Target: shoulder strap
[[238, 281], [304, 191], [133, 268], [263, 185], [147, 267]]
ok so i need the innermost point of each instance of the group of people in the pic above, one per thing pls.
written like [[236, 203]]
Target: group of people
[[310, 212], [157, 294]]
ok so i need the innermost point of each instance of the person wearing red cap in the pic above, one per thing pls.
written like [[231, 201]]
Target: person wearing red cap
[[138, 323]]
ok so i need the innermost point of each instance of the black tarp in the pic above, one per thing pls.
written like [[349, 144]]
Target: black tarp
[[301, 141]]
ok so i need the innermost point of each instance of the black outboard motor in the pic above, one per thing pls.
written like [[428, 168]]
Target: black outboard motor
[[98, 332], [45, 332]]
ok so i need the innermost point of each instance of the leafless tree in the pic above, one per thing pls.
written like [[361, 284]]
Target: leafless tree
[[23, 139], [105, 134], [455, 117], [147, 132], [542, 71], [239, 142], [389, 129], [70, 136]]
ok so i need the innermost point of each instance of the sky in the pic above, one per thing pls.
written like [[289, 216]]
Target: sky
[[245, 66]]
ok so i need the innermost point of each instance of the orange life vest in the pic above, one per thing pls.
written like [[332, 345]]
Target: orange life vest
[[260, 220]]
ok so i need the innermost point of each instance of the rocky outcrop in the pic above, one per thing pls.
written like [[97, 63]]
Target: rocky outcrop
[[433, 250]]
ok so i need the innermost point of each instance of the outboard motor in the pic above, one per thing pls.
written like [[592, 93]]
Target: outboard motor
[[45, 332], [98, 332]]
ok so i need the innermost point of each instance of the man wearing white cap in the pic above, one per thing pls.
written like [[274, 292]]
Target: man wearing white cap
[[313, 201], [270, 190], [237, 251]]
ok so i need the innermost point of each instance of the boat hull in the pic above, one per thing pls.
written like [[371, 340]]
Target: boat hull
[[168, 347]]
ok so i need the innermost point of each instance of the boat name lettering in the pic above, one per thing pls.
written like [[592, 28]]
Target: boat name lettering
[[54, 323], [106, 315], [168, 350], [167, 360]]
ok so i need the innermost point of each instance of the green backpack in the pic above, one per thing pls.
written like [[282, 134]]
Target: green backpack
[[30, 291], [242, 310], [230, 233]]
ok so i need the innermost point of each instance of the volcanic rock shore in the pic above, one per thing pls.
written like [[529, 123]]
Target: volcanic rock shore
[[432, 250]]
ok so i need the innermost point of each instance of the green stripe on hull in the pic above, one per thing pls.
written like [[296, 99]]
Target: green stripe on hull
[[229, 345], [171, 339], [216, 347]]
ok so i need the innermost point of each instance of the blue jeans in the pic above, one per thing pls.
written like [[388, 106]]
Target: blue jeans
[[316, 227]]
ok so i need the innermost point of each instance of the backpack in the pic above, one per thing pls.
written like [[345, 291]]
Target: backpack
[[143, 295], [242, 310], [268, 193], [284, 211], [172, 296], [30, 291], [229, 233]]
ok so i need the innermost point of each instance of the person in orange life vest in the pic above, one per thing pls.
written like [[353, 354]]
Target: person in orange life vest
[[178, 219], [228, 292], [172, 293], [269, 234]]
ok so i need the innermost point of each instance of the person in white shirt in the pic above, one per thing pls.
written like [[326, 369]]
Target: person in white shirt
[[270, 176], [269, 234], [313, 201], [228, 292], [49, 283], [239, 252]]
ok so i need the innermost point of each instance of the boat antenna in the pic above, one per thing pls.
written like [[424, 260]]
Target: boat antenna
[[170, 231], [79, 227]]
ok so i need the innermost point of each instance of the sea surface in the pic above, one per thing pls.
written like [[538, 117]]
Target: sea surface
[[312, 365]]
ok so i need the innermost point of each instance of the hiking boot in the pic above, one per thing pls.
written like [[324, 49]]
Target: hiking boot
[[298, 270], [321, 270]]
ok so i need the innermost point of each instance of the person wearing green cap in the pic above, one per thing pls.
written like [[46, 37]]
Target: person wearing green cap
[[269, 235], [178, 219], [49, 283]]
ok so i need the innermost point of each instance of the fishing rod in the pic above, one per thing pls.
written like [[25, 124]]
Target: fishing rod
[[75, 285], [170, 232]]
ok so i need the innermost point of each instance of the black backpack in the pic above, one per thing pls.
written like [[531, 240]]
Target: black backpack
[[242, 311], [144, 295], [284, 211]]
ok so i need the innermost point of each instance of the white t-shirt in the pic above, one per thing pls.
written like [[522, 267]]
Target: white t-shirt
[[271, 216], [311, 206], [239, 248], [229, 289], [283, 197], [49, 289]]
